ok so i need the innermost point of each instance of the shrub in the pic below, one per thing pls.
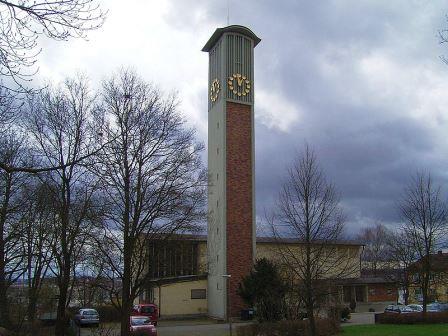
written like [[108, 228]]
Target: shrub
[[4, 332], [339, 313], [108, 314], [325, 327], [412, 318], [345, 313], [353, 305]]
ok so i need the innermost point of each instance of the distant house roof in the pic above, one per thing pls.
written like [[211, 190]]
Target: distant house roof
[[439, 263], [365, 281], [384, 275]]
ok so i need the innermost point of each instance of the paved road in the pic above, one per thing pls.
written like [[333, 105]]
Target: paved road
[[171, 330], [197, 330], [205, 328]]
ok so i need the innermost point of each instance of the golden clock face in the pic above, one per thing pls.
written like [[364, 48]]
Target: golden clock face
[[239, 84], [214, 90]]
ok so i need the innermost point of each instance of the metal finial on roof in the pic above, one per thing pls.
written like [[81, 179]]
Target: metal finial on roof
[[228, 12]]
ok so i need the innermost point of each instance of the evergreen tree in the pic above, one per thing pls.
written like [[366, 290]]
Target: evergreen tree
[[265, 290]]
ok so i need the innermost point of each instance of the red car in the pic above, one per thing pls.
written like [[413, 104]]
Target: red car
[[142, 326], [147, 309]]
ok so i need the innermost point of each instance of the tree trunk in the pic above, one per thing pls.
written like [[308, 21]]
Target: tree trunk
[[32, 304], [312, 321], [126, 294], [425, 286], [61, 318], [406, 292], [5, 320]]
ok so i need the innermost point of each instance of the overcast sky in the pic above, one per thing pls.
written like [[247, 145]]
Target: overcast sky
[[360, 81]]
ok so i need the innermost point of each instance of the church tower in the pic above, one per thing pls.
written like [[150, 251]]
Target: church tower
[[231, 203]]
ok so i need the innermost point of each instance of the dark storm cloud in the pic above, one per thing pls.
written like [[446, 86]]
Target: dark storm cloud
[[362, 84]]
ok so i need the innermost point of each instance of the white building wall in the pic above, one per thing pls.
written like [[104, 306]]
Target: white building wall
[[216, 242]]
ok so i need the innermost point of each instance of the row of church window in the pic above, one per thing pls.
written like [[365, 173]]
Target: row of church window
[[171, 259]]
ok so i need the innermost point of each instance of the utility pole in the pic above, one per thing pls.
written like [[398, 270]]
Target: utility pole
[[229, 310]]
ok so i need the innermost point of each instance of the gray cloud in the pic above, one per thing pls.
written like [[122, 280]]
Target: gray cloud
[[361, 82], [366, 82]]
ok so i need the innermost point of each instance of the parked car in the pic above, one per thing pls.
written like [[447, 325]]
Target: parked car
[[142, 326], [437, 307], [400, 309], [87, 316], [147, 309], [417, 308]]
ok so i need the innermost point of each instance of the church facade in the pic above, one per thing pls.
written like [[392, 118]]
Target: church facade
[[180, 273]]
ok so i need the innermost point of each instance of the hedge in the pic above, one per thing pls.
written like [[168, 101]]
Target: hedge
[[412, 318]]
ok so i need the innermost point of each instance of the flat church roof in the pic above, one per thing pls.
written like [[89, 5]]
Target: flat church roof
[[230, 29], [203, 238]]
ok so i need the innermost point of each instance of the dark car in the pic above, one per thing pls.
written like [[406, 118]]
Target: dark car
[[142, 326], [87, 316], [398, 309], [147, 309]]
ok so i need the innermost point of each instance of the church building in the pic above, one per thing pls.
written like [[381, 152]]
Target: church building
[[200, 275]]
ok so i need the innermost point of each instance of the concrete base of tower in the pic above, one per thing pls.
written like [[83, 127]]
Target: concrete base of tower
[[216, 300]]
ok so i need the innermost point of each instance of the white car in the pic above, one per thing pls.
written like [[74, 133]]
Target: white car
[[415, 307], [87, 317]]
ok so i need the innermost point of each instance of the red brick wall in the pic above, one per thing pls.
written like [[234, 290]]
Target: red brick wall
[[379, 293], [239, 198]]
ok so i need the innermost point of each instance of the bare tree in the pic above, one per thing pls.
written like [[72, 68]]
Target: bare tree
[[401, 251], [59, 121], [23, 21], [37, 238], [13, 151], [425, 223], [152, 177], [308, 211], [21, 24], [375, 254]]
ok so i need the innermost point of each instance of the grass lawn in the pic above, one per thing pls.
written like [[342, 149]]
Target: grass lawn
[[395, 330]]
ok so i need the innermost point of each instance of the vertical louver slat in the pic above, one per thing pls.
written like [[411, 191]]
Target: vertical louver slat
[[239, 49]]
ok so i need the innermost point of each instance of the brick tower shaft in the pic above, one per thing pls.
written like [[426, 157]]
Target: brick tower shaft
[[240, 235]]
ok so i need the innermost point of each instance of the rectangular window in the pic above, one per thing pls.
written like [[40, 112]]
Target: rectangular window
[[198, 294]]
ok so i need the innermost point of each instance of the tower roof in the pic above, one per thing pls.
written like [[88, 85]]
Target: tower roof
[[230, 29]]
